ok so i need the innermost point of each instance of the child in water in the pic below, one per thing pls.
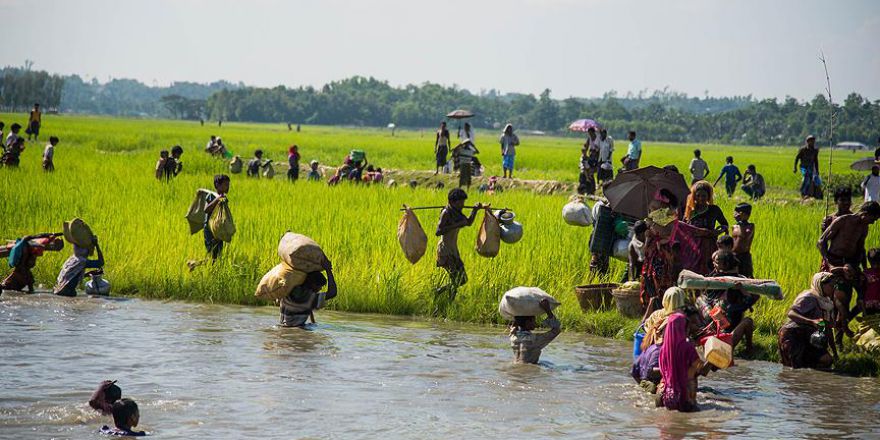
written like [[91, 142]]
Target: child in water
[[526, 345], [125, 417]]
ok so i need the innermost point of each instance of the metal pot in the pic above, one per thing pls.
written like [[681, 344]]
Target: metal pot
[[511, 231], [97, 285]]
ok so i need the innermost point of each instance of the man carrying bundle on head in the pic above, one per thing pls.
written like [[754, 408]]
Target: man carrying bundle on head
[[298, 305]]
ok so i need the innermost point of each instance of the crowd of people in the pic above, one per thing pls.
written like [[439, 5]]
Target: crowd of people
[[13, 144]]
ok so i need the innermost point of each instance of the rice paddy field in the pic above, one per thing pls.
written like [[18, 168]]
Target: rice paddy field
[[104, 174]]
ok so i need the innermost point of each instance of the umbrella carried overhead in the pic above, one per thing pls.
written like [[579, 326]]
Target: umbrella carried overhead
[[460, 114], [851, 146], [864, 164], [584, 125], [632, 191]]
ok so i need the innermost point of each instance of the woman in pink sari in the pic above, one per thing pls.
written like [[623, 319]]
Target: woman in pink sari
[[679, 365]]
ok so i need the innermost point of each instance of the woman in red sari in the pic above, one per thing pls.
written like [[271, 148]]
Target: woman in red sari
[[679, 365]]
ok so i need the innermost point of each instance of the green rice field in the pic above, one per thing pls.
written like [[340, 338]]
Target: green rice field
[[104, 174]]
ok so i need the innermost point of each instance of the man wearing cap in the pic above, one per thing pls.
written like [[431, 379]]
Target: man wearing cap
[[808, 156]]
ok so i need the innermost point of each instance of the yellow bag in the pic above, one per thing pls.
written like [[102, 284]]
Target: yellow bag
[[79, 233], [196, 214], [221, 222], [489, 238], [279, 281], [301, 252], [411, 236]]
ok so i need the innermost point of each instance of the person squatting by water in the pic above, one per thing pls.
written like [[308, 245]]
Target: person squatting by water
[[221, 184], [74, 269], [299, 305], [527, 345], [452, 220]]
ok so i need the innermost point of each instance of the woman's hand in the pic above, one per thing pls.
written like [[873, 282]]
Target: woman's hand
[[326, 264]]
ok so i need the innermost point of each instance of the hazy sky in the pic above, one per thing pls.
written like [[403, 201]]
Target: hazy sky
[[574, 47]]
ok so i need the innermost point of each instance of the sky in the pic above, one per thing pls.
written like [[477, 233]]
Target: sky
[[766, 48]]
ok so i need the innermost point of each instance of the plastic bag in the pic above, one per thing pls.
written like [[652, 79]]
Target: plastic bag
[[411, 236], [221, 223], [524, 301], [489, 237], [279, 281], [301, 252], [577, 213]]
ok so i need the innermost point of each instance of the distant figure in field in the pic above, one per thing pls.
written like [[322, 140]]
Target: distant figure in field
[[219, 122], [605, 171], [467, 133], [202, 121], [49, 154], [163, 170], [34, 121], [464, 154], [441, 147], [808, 157], [699, 168], [876, 152], [871, 185], [508, 141], [293, 163], [297, 128], [314, 173], [731, 175], [176, 164], [12, 156], [211, 144], [753, 183], [13, 135], [633, 152], [591, 145], [255, 164], [289, 126]]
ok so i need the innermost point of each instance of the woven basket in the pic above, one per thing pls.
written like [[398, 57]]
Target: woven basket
[[628, 302], [595, 296]]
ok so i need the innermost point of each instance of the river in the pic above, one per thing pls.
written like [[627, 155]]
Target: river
[[227, 372]]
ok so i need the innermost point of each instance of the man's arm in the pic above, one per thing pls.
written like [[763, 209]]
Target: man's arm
[[331, 280], [209, 208], [99, 263], [827, 236], [543, 339], [797, 159]]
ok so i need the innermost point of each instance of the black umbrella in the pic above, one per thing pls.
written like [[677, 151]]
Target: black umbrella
[[632, 191]]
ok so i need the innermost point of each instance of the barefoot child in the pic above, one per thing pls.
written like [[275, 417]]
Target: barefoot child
[[49, 154], [161, 165], [526, 345], [221, 185], [743, 232], [452, 220]]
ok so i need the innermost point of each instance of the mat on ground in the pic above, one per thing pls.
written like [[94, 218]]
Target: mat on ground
[[695, 281], [524, 301], [411, 236]]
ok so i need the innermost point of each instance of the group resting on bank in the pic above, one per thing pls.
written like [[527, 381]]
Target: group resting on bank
[[676, 236]]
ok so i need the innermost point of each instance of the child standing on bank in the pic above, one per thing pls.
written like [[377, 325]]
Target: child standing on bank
[[212, 244], [743, 232]]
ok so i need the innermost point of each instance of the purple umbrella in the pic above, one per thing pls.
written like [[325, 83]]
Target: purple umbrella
[[584, 125]]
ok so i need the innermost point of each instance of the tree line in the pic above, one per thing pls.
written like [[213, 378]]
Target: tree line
[[659, 115]]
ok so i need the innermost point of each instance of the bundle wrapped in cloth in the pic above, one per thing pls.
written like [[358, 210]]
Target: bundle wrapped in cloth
[[576, 212], [524, 301], [695, 281], [411, 236], [300, 255]]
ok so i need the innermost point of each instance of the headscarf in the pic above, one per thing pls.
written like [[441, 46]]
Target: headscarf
[[293, 152], [676, 356], [820, 278], [72, 269], [674, 299], [701, 185]]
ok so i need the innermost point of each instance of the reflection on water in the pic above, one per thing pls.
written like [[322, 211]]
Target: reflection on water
[[205, 371]]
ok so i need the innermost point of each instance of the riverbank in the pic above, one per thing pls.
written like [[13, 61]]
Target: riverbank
[[105, 177]]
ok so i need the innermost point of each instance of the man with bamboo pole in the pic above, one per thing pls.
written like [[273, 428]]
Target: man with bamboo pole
[[452, 220]]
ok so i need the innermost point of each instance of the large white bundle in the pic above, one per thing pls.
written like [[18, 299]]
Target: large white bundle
[[301, 252], [577, 213], [524, 301]]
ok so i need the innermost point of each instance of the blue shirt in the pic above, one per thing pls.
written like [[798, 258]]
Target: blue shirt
[[731, 173], [635, 149]]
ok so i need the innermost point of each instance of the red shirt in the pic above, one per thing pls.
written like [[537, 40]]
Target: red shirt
[[872, 288]]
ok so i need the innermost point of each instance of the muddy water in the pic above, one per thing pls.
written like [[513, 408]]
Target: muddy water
[[203, 371]]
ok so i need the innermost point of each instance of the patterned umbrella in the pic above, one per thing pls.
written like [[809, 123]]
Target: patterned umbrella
[[584, 125]]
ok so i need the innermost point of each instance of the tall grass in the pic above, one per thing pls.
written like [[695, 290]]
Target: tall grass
[[104, 175]]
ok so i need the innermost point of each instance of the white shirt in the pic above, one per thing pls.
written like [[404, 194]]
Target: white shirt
[[871, 185], [606, 147], [49, 152], [11, 139]]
